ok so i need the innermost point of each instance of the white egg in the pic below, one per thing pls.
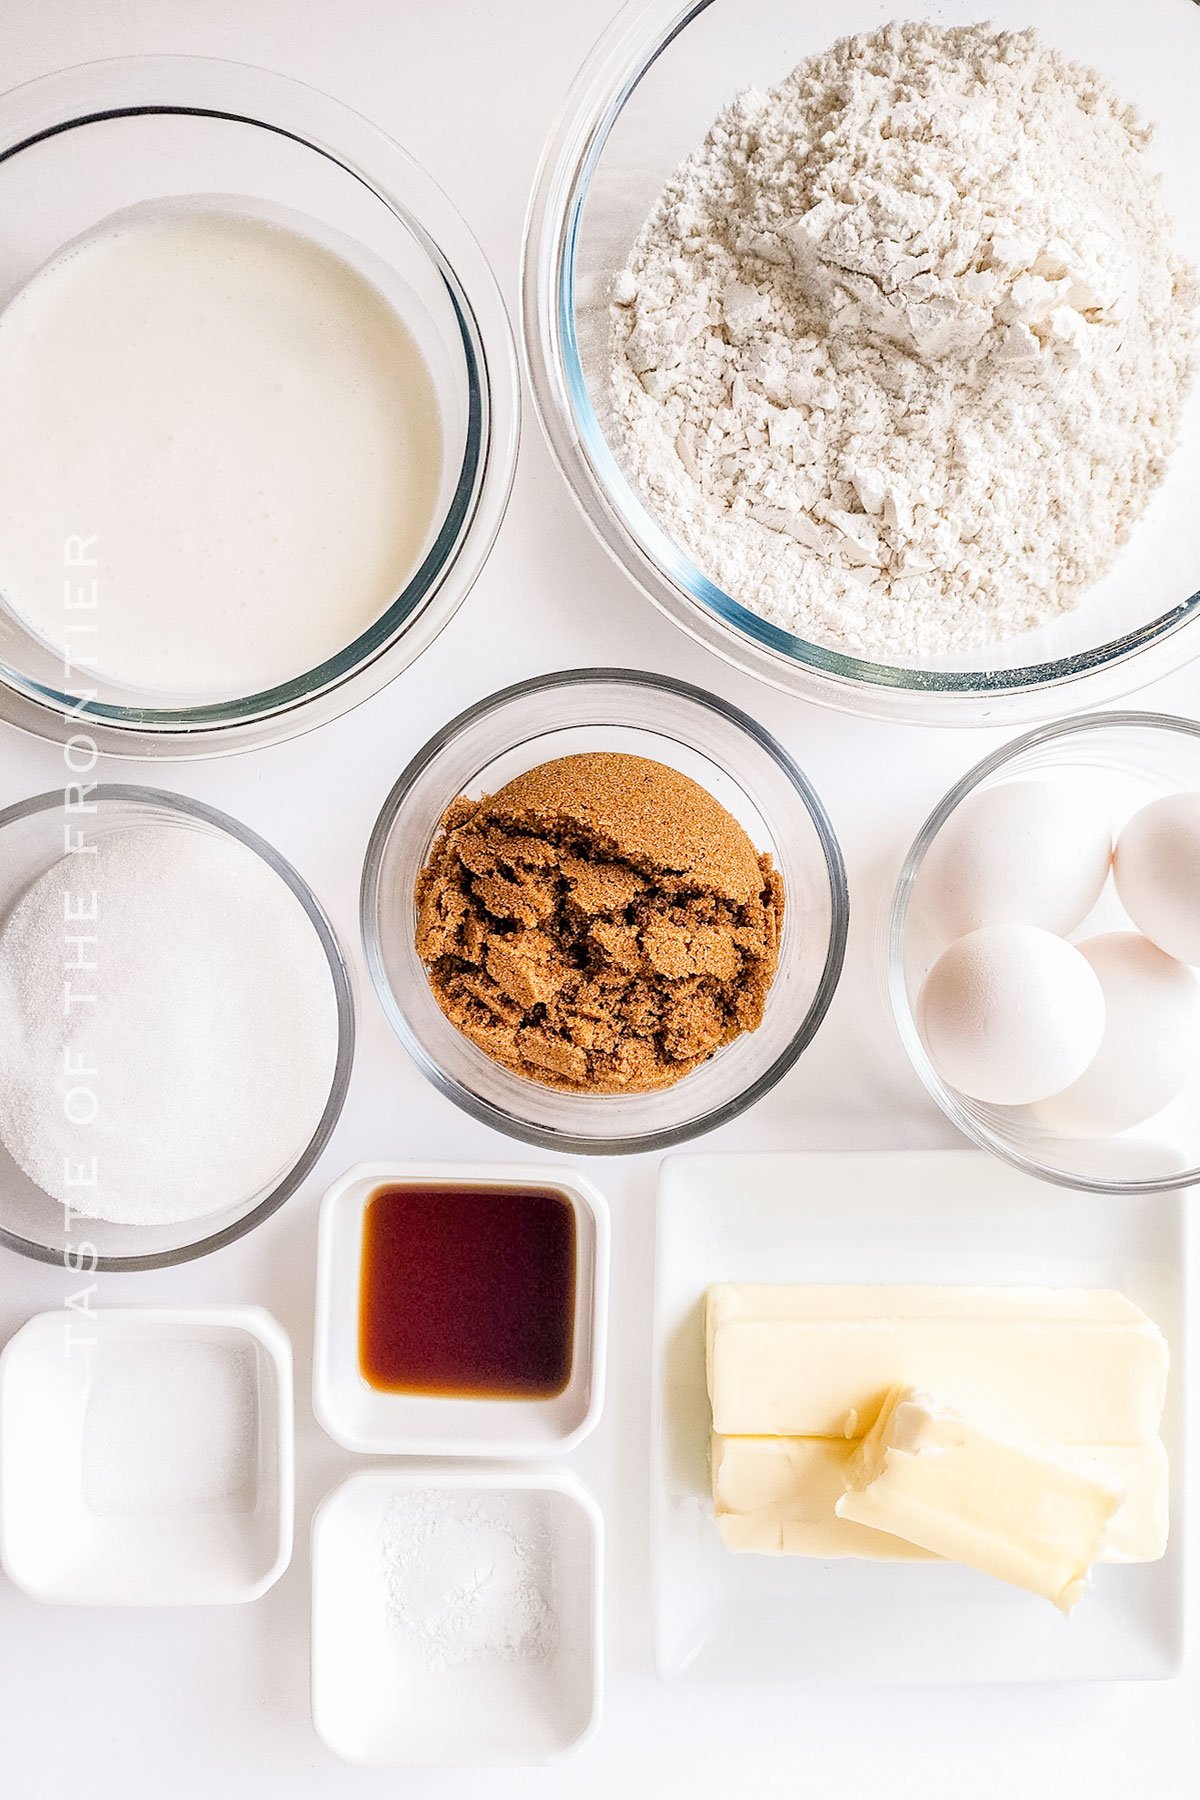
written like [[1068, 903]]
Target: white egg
[[1150, 1044], [1023, 853], [1011, 1014], [1158, 874]]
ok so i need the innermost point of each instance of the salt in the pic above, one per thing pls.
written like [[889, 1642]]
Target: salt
[[169, 1427]]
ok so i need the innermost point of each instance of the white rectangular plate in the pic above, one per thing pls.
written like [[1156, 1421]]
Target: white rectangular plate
[[956, 1218]]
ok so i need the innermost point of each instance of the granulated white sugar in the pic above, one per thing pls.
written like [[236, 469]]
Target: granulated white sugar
[[168, 1027], [901, 351]]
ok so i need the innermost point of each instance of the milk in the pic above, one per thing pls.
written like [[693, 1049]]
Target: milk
[[239, 428]]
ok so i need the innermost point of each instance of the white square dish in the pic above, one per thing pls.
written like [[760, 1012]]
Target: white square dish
[[378, 1700], [92, 1511], [364, 1419], [944, 1218]]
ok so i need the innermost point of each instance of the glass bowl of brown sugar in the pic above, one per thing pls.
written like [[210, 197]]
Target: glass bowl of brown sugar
[[646, 962]]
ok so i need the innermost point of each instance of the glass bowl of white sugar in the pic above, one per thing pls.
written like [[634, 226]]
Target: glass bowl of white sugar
[[176, 1029], [881, 410], [261, 407]]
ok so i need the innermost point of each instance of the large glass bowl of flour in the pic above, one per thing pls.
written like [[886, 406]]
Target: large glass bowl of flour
[[644, 102], [260, 400], [176, 1029]]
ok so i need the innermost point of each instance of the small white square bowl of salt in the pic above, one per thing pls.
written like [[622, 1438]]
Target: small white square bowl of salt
[[456, 1616], [146, 1456]]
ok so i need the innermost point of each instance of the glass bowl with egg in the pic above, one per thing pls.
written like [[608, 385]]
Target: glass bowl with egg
[[1042, 953], [594, 902], [261, 407], [177, 1029], [642, 103]]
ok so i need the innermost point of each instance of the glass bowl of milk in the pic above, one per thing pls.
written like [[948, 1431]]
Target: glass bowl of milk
[[260, 404]]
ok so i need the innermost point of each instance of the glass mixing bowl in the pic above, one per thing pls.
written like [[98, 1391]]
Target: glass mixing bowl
[[79, 146], [31, 842], [1127, 759], [639, 714], [643, 101]]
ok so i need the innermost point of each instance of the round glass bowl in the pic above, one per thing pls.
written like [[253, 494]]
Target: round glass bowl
[[643, 101], [31, 842], [82, 145], [1126, 759], [741, 765]]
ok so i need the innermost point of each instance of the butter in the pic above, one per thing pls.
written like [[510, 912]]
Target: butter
[[1065, 1364], [769, 1534], [1016, 1511], [777, 1496], [1139, 1529]]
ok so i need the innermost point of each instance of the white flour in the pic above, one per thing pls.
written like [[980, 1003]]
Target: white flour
[[901, 350], [468, 1579]]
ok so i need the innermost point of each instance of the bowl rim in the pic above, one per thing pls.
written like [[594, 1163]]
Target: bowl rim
[[893, 918], [210, 88], [633, 42], [140, 797], [547, 1137]]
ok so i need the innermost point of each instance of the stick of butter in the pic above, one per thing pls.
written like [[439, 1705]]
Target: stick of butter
[[777, 1496], [1138, 1531], [1016, 1511], [1072, 1364]]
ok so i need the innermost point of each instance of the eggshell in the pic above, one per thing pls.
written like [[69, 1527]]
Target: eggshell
[[1150, 1044], [1032, 852], [1011, 1014], [1157, 873]]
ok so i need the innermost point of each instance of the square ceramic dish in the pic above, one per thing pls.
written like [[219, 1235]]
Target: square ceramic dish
[[956, 1218], [364, 1419], [92, 1509], [379, 1699]]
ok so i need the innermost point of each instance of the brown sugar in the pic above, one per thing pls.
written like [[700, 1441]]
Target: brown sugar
[[601, 923]]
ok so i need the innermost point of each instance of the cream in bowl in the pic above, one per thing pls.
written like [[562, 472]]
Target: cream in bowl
[[261, 406], [243, 432]]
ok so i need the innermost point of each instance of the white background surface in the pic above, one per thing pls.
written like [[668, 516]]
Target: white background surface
[[195, 1704]]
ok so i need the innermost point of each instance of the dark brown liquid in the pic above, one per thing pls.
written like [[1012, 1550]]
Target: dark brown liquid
[[468, 1292]]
